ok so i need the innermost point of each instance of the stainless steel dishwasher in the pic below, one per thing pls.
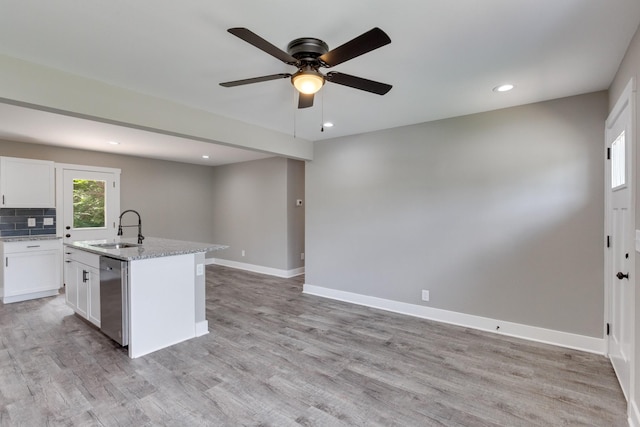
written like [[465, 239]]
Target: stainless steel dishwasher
[[114, 307]]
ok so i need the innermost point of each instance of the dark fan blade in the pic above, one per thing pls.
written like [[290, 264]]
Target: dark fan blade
[[254, 39], [358, 83], [255, 80], [362, 44], [304, 100]]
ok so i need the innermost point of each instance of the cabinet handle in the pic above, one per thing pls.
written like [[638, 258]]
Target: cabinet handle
[[6, 261], [84, 276], [33, 246]]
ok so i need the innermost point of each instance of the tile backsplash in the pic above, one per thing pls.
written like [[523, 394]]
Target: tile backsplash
[[14, 222]]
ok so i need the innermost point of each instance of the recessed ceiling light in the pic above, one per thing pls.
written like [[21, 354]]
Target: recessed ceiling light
[[114, 143], [328, 124], [503, 88], [205, 157]]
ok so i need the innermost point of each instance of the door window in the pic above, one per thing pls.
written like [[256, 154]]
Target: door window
[[89, 204], [618, 159]]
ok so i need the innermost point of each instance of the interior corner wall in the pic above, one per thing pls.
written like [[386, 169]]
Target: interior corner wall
[[295, 214], [249, 212], [630, 68], [173, 198], [498, 214]]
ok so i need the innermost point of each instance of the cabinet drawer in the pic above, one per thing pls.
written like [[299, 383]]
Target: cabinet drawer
[[32, 246], [86, 258]]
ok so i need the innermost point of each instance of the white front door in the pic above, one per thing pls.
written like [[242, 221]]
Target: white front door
[[90, 202], [620, 225]]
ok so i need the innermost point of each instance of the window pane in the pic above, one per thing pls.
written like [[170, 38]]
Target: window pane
[[618, 161], [89, 200]]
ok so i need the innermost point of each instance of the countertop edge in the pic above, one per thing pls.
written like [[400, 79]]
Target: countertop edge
[[152, 247], [29, 238]]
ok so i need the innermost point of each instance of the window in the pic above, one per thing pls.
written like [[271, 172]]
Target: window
[[89, 201], [618, 162]]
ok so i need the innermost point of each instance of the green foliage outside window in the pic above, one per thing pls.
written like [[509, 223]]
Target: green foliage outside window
[[88, 203]]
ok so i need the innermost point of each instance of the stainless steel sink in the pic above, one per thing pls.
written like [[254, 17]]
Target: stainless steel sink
[[121, 245]]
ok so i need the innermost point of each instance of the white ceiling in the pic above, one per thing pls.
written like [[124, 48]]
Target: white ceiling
[[444, 60], [41, 127]]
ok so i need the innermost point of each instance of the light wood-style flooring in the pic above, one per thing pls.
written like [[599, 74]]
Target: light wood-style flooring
[[276, 357]]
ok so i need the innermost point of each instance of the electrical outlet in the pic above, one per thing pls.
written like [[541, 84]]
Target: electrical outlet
[[299, 202], [243, 252], [48, 221], [302, 256], [31, 222], [425, 295], [199, 270]]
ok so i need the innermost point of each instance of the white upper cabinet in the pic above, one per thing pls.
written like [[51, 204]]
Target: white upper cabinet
[[27, 183]]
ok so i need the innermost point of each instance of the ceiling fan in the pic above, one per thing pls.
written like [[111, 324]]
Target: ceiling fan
[[308, 55]]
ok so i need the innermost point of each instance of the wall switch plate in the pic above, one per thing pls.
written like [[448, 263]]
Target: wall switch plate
[[48, 221], [425, 295], [302, 256], [243, 252], [199, 270], [31, 222]]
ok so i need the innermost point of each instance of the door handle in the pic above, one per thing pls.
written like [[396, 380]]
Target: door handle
[[622, 276]]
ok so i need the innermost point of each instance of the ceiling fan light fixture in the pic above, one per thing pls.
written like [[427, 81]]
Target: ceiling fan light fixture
[[308, 81]]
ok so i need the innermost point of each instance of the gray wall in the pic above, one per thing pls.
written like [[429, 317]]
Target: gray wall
[[174, 199], [295, 214], [497, 214], [252, 212]]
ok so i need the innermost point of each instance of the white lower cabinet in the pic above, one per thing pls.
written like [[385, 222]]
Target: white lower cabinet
[[82, 283], [30, 269]]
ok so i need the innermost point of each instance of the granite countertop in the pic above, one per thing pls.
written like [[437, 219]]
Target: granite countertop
[[152, 247], [29, 238]]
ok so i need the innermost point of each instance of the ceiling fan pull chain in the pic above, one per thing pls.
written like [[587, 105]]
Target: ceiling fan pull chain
[[322, 112], [294, 113]]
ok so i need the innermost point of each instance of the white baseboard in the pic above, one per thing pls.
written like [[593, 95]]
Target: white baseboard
[[33, 295], [202, 328], [532, 333], [286, 274]]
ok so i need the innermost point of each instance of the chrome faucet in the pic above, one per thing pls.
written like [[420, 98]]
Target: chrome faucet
[[140, 236]]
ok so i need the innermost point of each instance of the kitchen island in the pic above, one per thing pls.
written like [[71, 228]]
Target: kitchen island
[[163, 288]]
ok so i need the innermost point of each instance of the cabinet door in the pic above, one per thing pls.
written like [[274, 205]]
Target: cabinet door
[[94, 296], [30, 272], [27, 183], [71, 283]]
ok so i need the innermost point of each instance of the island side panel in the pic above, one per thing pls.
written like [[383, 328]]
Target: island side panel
[[161, 303], [202, 325]]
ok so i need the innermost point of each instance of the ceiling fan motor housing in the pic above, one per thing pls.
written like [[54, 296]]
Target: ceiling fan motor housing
[[307, 48]]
